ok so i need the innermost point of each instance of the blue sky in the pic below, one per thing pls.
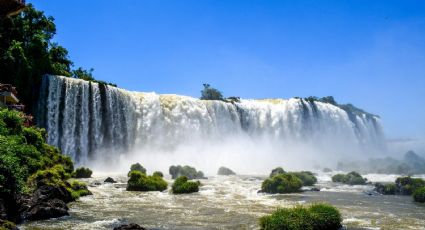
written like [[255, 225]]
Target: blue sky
[[369, 53]]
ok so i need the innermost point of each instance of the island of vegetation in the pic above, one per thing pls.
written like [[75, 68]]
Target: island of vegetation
[[225, 171], [351, 178], [139, 181], [314, 217], [183, 185], [407, 186], [187, 171], [280, 181]]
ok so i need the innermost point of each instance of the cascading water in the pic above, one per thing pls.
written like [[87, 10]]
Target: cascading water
[[86, 119]]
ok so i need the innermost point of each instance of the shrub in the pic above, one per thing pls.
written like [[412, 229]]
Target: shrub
[[225, 171], [306, 177], [54, 176], [210, 93], [386, 189], [407, 185], [315, 217], [78, 189], [138, 167], [82, 173], [419, 195], [278, 170], [187, 171], [282, 183], [158, 173], [352, 178], [182, 185], [141, 182]]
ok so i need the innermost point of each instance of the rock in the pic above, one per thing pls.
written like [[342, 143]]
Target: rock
[[131, 226], [110, 180], [46, 202], [315, 189], [225, 171], [45, 210], [7, 225]]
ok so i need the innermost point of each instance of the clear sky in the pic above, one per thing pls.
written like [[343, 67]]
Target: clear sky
[[369, 53]]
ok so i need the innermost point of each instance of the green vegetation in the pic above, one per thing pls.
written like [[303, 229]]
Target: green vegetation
[[182, 185], [315, 217], [23, 152], [158, 173], [141, 182], [187, 171], [352, 178], [407, 185], [82, 173], [306, 177], [137, 167], [78, 189], [278, 170], [282, 183], [419, 195], [210, 93], [386, 189], [7, 225], [27, 52], [225, 171]]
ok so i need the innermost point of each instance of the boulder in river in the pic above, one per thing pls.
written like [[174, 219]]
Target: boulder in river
[[225, 171], [110, 180], [131, 226]]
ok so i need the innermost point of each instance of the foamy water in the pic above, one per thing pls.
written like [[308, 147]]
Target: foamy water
[[230, 202]]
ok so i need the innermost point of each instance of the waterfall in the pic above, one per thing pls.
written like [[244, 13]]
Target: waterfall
[[85, 119]]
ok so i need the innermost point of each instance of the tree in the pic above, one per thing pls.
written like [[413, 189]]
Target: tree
[[209, 93]]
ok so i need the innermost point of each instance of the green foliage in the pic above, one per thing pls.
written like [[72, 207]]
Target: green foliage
[[315, 217], [27, 53], [182, 185], [407, 185], [210, 93], [189, 172], [6, 225], [276, 171], [78, 189], [282, 183], [386, 189], [54, 176], [419, 195], [88, 76], [352, 178], [137, 167], [82, 173], [158, 173], [23, 152], [306, 177], [225, 171], [141, 182]]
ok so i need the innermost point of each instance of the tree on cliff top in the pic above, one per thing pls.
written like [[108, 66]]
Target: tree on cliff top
[[210, 93]]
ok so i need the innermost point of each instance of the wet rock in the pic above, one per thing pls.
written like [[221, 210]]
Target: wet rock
[[315, 189], [46, 202], [110, 180], [131, 226], [225, 171], [45, 210]]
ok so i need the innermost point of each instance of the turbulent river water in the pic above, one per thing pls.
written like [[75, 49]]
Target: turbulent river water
[[231, 202]]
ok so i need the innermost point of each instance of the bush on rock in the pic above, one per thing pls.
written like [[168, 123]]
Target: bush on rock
[[352, 178], [82, 173], [315, 217], [187, 171], [225, 171], [183, 185], [282, 183], [419, 195], [141, 182]]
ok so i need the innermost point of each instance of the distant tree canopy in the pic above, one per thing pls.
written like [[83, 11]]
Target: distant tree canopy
[[210, 93], [27, 53]]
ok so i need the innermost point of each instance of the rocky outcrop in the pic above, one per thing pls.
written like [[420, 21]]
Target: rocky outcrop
[[46, 202], [110, 180], [131, 226]]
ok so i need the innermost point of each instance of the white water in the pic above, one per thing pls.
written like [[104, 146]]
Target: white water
[[97, 124]]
